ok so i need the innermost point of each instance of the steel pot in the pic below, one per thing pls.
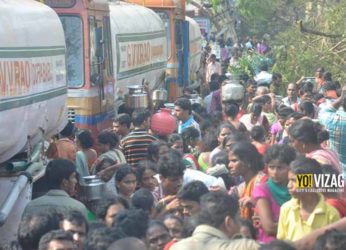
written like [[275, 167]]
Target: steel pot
[[137, 97], [93, 188], [159, 95], [233, 91]]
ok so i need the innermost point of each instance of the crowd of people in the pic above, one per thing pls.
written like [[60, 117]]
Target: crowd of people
[[227, 179]]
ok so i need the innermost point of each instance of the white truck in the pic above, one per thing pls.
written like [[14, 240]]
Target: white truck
[[33, 97]]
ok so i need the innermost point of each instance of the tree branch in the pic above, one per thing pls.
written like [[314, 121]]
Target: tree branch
[[315, 32]]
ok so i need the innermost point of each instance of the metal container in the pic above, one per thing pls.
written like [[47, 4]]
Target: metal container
[[137, 97], [159, 95], [93, 188]]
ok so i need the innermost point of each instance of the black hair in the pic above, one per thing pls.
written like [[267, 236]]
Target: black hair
[[249, 225], [58, 170], [107, 202], [171, 165], [214, 85], [133, 222], [295, 115], [329, 86], [189, 134], [139, 116], [281, 152], [284, 112], [68, 130], [234, 138], [184, 104], [331, 240], [54, 235], [123, 119], [231, 110], [102, 238], [258, 133], [34, 225], [144, 165], [264, 67], [153, 150], [307, 108], [192, 191], [199, 109], [109, 138], [307, 87], [256, 109], [248, 154], [143, 199], [220, 158], [327, 76], [307, 131], [276, 76], [277, 245], [225, 125], [215, 76], [85, 139], [215, 207], [75, 217], [124, 171], [303, 165], [210, 141], [172, 138]]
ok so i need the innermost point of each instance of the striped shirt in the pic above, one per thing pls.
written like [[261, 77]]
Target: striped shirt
[[335, 123], [135, 145]]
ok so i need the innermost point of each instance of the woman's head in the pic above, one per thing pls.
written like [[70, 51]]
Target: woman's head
[[234, 138], [109, 208], [305, 132], [244, 157], [174, 225], [176, 142], [190, 138], [156, 149], [107, 140], [277, 159], [84, 139], [146, 170], [224, 130], [256, 110], [126, 180], [292, 118], [283, 113]]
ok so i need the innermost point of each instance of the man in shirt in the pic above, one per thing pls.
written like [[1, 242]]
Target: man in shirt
[[276, 85], [292, 98], [135, 144], [334, 120], [183, 112], [212, 67], [122, 124], [218, 224], [61, 181]]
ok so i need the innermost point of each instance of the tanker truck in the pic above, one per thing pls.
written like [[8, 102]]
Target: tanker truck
[[33, 97], [110, 46]]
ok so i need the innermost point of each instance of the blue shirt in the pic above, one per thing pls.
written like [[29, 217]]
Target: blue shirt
[[189, 123], [335, 123]]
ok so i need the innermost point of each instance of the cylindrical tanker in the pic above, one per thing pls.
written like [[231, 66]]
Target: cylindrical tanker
[[32, 75], [195, 41], [138, 45]]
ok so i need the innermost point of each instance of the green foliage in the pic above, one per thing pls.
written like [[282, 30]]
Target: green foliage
[[300, 54], [249, 64]]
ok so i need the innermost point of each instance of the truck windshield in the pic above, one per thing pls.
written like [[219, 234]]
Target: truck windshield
[[74, 49]]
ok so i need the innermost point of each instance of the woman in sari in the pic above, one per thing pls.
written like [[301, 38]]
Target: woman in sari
[[245, 161]]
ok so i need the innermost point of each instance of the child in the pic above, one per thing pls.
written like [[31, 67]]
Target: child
[[306, 211], [269, 196]]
